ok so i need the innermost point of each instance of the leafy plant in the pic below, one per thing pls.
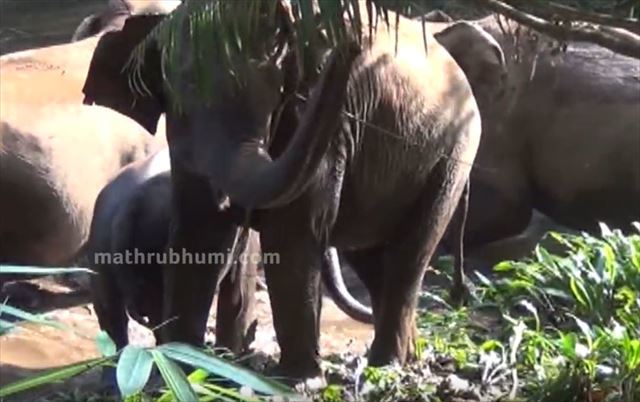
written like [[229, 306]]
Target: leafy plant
[[134, 365]]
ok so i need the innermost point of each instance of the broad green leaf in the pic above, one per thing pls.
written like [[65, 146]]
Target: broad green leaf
[[215, 365], [105, 344], [51, 376], [133, 370], [174, 377]]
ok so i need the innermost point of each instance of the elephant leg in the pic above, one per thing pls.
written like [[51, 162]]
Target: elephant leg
[[406, 259], [108, 303], [294, 290], [198, 231], [236, 304], [496, 212], [368, 267]]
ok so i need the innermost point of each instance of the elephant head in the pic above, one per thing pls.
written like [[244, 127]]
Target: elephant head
[[480, 57], [223, 138]]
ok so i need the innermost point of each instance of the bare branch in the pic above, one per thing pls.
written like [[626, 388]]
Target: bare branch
[[570, 13], [619, 41]]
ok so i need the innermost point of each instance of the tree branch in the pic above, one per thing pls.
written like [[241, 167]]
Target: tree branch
[[570, 13], [623, 42]]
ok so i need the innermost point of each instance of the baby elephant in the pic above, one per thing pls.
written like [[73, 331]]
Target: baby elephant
[[127, 248]]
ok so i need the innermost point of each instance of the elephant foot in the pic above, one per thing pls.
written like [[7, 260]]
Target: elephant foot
[[299, 379], [299, 373], [398, 348], [460, 295]]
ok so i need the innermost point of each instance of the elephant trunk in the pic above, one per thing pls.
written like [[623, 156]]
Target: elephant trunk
[[334, 282], [253, 180]]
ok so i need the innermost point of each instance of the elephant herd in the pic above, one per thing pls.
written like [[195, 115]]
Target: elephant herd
[[372, 166]]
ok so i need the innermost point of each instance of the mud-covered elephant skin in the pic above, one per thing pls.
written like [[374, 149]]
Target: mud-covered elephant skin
[[127, 247], [334, 181], [55, 153]]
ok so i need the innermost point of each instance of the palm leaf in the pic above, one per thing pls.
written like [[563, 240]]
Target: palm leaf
[[231, 31]]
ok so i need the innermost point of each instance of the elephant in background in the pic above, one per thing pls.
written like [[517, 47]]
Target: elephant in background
[[329, 181], [55, 153], [564, 139], [132, 215]]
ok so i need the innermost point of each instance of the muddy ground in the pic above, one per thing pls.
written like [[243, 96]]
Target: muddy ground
[[32, 348]]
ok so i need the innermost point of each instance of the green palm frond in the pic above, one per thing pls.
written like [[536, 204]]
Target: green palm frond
[[232, 31]]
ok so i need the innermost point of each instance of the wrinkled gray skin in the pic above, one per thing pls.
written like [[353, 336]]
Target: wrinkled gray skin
[[132, 214], [564, 140], [55, 154], [562, 136], [329, 182]]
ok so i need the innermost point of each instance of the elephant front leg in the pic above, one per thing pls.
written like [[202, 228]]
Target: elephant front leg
[[292, 268], [236, 304], [200, 235]]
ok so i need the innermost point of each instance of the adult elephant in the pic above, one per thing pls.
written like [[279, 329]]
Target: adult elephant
[[564, 140], [335, 180], [55, 153]]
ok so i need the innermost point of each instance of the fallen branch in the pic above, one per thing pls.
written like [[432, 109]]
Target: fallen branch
[[619, 41]]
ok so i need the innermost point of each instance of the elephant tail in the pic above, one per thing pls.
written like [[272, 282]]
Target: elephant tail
[[458, 288], [334, 283]]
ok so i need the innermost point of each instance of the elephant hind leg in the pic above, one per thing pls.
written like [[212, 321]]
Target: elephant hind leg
[[406, 259]]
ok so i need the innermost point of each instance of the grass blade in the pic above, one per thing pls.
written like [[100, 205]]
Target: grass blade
[[52, 376], [32, 270]]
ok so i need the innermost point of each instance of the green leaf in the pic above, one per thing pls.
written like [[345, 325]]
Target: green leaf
[[51, 376], [579, 292], [504, 266], [174, 377], [133, 370], [105, 344], [32, 270], [215, 365], [26, 316]]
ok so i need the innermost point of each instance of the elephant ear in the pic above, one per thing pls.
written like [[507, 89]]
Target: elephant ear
[[108, 82], [478, 54]]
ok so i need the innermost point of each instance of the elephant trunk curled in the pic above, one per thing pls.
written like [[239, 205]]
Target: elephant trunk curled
[[255, 181]]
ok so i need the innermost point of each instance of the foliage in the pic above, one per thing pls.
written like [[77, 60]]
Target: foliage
[[134, 365], [550, 328]]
